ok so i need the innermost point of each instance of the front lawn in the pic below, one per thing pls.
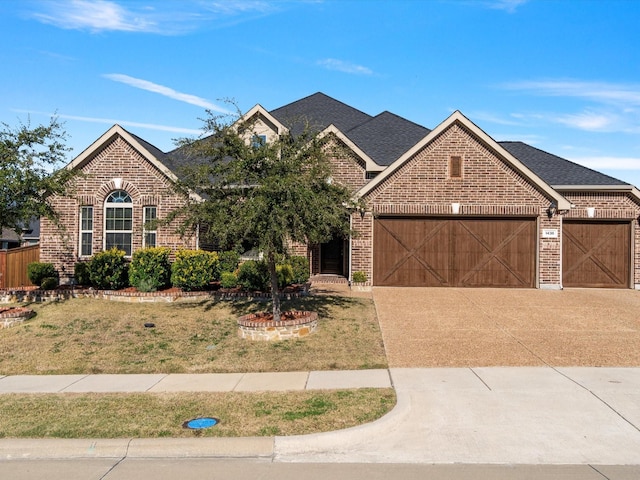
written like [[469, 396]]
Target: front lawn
[[82, 336]]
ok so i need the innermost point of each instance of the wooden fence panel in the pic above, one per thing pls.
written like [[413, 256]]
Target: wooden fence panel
[[13, 266]]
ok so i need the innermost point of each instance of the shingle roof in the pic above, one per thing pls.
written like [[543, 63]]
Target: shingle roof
[[556, 170], [386, 137], [320, 111]]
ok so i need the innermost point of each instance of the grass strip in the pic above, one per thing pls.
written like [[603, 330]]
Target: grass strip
[[148, 415]]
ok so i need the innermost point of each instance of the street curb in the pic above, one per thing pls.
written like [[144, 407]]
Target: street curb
[[50, 448]]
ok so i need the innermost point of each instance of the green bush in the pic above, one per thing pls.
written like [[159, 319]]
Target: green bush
[[194, 269], [254, 275], [301, 270], [38, 271], [150, 269], [228, 280], [108, 270], [359, 277], [50, 283], [81, 273], [285, 275], [228, 262]]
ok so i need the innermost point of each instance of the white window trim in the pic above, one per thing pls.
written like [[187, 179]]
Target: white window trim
[[104, 221], [144, 228], [82, 231]]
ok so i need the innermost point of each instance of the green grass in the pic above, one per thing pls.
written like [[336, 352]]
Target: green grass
[[162, 415]]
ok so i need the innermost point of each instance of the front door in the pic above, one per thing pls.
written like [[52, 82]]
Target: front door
[[332, 257]]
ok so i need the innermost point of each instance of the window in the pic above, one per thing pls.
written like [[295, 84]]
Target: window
[[149, 217], [258, 141], [86, 231], [455, 167], [118, 219]]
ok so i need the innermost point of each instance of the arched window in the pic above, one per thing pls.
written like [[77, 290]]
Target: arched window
[[118, 221]]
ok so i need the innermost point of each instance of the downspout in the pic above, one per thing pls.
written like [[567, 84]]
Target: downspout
[[350, 249]]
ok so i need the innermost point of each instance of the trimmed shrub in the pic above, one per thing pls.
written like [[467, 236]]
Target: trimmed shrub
[[359, 277], [38, 271], [301, 270], [108, 270], [194, 269], [228, 280], [50, 283], [227, 262], [82, 273], [150, 269], [285, 275], [254, 275]]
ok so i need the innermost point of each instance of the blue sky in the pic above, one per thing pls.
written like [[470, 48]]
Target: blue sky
[[561, 75]]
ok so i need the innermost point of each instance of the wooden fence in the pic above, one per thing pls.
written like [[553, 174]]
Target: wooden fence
[[13, 266]]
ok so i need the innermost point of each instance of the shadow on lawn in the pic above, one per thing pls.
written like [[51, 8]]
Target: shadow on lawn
[[321, 304]]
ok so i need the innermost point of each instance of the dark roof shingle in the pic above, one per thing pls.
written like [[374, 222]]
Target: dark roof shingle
[[386, 137], [556, 170]]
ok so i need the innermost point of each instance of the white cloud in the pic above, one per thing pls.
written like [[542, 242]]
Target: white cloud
[[590, 121], [111, 121], [165, 91], [98, 15], [345, 67], [506, 5], [609, 163], [602, 92], [169, 17]]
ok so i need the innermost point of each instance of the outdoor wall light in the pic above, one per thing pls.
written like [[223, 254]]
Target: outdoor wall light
[[552, 209]]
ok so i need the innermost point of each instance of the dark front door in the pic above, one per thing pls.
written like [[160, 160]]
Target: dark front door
[[332, 257]]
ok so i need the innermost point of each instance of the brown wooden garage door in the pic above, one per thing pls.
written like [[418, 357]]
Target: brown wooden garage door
[[596, 254], [466, 252]]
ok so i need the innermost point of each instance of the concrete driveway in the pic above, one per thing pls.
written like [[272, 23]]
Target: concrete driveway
[[455, 327]]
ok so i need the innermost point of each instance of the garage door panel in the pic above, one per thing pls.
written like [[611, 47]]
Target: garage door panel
[[454, 252], [415, 253], [596, 254]]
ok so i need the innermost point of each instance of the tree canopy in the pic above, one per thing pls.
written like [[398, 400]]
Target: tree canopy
[[265, 193], [29, 157]]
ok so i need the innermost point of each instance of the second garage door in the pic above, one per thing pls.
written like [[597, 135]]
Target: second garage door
[[596, 253], [465, 252]]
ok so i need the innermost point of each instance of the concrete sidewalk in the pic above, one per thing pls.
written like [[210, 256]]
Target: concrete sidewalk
[[207, 382], [480, 416]]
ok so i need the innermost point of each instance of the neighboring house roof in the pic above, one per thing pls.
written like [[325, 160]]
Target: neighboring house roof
[[556, 170]]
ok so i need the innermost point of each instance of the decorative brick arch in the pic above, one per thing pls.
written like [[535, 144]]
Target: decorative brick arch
[[130, 188]]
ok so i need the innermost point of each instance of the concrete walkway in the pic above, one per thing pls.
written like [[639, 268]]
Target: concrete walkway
[[206, 382], [493, 415]]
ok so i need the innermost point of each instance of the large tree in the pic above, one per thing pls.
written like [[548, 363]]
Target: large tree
[[29, 161], [264, 193]]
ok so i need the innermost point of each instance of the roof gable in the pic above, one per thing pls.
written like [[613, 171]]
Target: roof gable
[[148, 151], [458, 117]]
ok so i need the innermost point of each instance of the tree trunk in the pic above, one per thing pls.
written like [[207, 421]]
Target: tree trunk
[[275, 293]]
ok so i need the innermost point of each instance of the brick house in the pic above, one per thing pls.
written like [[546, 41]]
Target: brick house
[[445, 207]]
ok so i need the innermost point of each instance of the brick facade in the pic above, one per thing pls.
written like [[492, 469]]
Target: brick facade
[[117, 166], [610, 206], [488, 187]]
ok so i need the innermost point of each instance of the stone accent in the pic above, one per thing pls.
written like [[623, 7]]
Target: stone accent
[[14, 315], [250, 328], [36, 295]]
